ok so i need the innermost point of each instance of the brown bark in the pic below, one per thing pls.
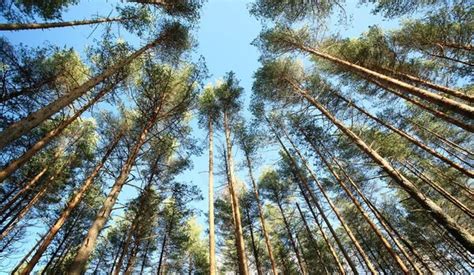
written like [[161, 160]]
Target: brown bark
[[392, 232], [368, 74], [311, 237], [34, 26], [27, 90], [254, 246], [212, 241], [48, 137], [292, 240], [461, 234], [341, 219], [410, 167], [261, 214], [162, 254], [411, 139], [80, 261], [431, 85], [302, 180], [25, 125], [443, 139], [359, 207], [71, 205], [243, 267], [437, 113]]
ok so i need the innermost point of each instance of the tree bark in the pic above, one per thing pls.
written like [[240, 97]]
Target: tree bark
[[243, 267], [212, 241], [368, 74], [292, 240], [392, 232], [25, 125], [311, 237], [430, 85], [71, 205], [48, 137], [80, 261], [34, 26], [411, 139], [302, 180], [162, 253], [261, 214], [461, 234], [359, 207], [254, 246]]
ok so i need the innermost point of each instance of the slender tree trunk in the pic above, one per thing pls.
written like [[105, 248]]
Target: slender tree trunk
[[359, 207], [23, 190], [63, 241], [243, 267], [80, 261], [131, 261], [313, 240], [25, 125], [72, 204], [145, 256], [48, 137], [302, 180], [34, 26], [162, 254], [126, 244], [385, 224], [254, 246], [368, 74], [461, 234], [28, 90], [25, 258], [436, 113], [117, 254], [39, 195], [411, 139], [292, 240], [261, 215], [443, 139], [430, 85], [212, 241], [410, 167]]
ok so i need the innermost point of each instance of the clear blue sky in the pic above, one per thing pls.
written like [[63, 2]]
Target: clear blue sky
[[225, 32]]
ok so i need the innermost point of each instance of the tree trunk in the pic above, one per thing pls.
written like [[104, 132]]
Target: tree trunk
[[40, 144], [254, 246], [311, 237], [39, 195], [71, 205], [243, 267], [443, 139], [25, 91], [385, 224], [162, 253], [25, 258], [145, 256], [34, 26], [261, 215], [359, 207], [430, 85], [80, 261], [292, 240], [126, 244], [25, 125], [302, 180], [439, 189], [23, 190], [461, 234], [212, 241], [368, 74], [436, 113], [411, 139]]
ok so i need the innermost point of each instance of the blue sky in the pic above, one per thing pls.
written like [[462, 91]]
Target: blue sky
[[225, 33]]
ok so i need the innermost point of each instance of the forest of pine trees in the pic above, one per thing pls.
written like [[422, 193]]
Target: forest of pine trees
[[347, 155]]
